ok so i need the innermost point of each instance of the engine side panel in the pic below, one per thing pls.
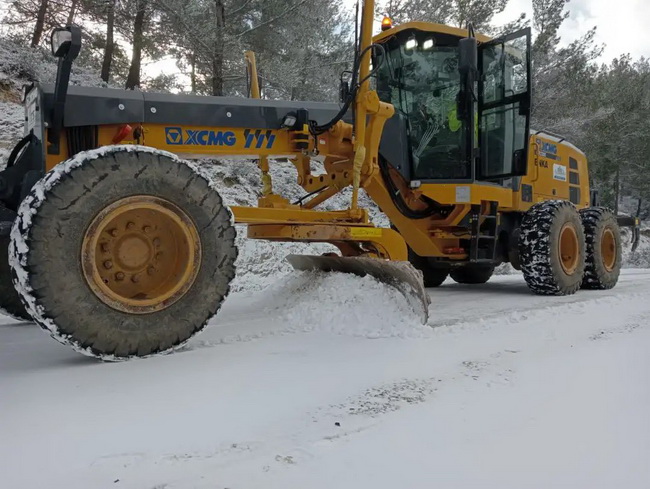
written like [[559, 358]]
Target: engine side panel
[[556, 170]]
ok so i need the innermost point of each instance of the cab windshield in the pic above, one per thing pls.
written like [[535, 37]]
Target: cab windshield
[[420, 78]]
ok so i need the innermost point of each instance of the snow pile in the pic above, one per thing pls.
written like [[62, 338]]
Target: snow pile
[[343, 304]]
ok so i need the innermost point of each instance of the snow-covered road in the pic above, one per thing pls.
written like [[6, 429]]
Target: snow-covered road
[[294, 388]]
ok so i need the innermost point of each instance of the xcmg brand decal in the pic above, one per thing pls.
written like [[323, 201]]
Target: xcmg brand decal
[[258, 138], [547, 150], [203, 137]]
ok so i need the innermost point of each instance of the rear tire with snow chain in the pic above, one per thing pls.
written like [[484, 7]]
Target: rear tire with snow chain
[[472, 274], [604, 250], [10, 303], [123, 252], [552, 248]]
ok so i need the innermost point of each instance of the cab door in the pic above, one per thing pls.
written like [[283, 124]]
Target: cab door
[[504, 92]]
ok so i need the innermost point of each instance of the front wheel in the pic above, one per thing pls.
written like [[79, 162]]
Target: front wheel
[[123, 252]]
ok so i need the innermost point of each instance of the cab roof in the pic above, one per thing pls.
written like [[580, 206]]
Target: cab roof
[[427, 27]]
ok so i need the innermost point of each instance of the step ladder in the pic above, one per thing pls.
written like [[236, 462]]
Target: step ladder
[[484, 227]]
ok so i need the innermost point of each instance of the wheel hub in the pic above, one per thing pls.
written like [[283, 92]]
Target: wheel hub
[[141, 254], [569, 249], [608, 249]]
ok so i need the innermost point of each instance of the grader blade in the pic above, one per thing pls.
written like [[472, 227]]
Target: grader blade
[[398, 274]]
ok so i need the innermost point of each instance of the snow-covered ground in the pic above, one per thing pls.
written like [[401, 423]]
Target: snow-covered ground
[[317, 382]]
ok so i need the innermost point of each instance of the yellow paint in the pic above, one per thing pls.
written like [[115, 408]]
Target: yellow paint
[[365, 232], [141, 254], [546, 170]]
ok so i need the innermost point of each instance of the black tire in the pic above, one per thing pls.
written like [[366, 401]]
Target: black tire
[[472, 274], [602, 267], [46, 253], [433, 276], [10, 303], [539, 248]]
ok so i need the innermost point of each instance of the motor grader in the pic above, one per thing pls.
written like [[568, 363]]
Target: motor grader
[[115, 242]]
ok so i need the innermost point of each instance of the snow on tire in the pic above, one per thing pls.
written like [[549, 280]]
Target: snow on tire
[[552, 248], [123, 251], [604, 251]]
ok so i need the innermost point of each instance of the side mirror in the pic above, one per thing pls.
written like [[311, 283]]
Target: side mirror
[[65, 42], [468, 69], [468, 56], [344, 91]]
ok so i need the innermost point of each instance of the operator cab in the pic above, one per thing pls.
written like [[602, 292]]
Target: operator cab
[[457, 129]]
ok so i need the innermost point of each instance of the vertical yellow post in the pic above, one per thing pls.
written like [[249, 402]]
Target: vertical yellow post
[[251, 69], [367, 19], [263, 162]]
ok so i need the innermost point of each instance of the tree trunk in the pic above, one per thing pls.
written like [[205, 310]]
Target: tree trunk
[[73, 12], [110, 43], [217, 54], [617, 190], [133, 80], [40, 24], [193, 72], [639, 207]]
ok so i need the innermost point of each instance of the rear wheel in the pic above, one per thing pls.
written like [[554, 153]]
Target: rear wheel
[[472, 274], [10, 303], [552, 248], [604, 250], [123, 252]]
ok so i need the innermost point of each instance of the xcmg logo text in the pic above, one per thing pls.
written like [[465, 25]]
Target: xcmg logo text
[[203, 137]]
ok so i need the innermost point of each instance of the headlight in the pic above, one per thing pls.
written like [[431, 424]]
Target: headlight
[[428, 44], [411, 44], [61, 41]]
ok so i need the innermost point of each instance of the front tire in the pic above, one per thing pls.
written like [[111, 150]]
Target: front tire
[[123, 252], [604, 250], [552, 248]]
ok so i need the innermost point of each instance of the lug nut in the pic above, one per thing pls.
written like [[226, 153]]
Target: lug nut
[[104, 247], [135, 279], [151, 270], [147, 229], [130, 225], [119, 276], [108, 264], [159, 255], [113, 232], [156, 241]]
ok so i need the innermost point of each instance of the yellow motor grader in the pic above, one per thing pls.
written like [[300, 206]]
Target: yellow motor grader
[[115, 242]]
